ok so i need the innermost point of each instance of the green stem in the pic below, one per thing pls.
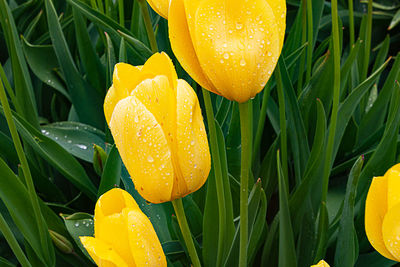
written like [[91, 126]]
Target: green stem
[[217, 173], [303, 41], [332, 128], [25, 167], [367, 42], [310, 32], [351, 24], [149, 26], [187, 236], [282, 121], [246, 136], [12, 241], [261, 121], [121, 13]]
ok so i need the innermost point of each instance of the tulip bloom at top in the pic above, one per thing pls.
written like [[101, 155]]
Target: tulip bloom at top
[[158, 128], [230, 47], [382, 214], [321, 263], [124, 236]]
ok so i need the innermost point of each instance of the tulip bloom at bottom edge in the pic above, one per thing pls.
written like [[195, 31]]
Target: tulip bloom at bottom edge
[[123, 234]]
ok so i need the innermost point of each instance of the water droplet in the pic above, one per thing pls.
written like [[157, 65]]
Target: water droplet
[[243, 62], [239, 26], [150, 159], [226, 55], [82, 146], [76, 224]]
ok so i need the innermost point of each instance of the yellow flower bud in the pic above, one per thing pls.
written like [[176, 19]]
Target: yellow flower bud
[[160, 6], [123, 235], [158, 128], [382, 214], [230, 47], [321, 263]]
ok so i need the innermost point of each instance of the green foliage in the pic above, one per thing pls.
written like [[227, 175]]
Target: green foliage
[[57, 59]]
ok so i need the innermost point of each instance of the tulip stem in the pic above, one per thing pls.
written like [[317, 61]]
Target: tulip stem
[[332, 131], [217, 172], [149, 26], [246, 136], [26, 171], [187, 235]]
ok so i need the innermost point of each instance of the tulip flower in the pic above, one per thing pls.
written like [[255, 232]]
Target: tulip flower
[[158, 128], [321, 263], [123, 235], [382, 214], [160, 6], [230, 47]]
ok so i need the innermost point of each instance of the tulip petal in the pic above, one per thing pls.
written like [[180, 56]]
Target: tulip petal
[[391, 231], [144, 149], [192, 150], [113, 201], [160, 64], [125, 79], [321, 263], [102, 253], [279, 9], [145, 246], [237, 44], [393, 176], [375, 210], [113, 230], [160, 6], [182, 44]]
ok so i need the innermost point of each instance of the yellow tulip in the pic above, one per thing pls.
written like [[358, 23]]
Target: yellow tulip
[[160, 6], [321, 263], [382, 214], [158, 128], [230, 47], [124, 236]]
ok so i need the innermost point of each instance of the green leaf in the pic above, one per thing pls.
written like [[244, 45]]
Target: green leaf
[[345, 254], [5, 263], [287, 251], [79, 224], [56, 156], [111, 27], [296, 131], [43, 62], [395, 21], [299, 196], [16, 198], [376, 115], [76, 138], [348, 106], [257, 228], [385, 153], [112, 172], [86, 100], [22, 81], [91, 62]]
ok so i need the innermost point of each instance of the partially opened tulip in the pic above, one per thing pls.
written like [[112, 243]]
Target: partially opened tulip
[[382, 214], [158, 128], [123, 235], [321, 263], [230, 47]]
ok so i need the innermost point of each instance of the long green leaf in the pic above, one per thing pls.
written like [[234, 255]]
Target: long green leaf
[[86, 100]]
